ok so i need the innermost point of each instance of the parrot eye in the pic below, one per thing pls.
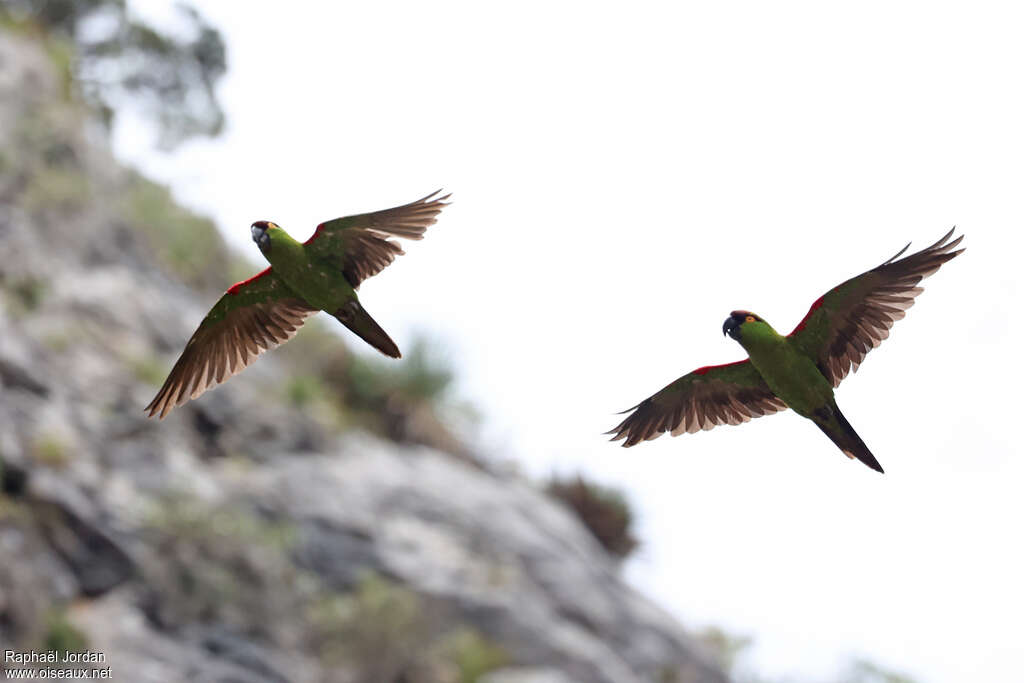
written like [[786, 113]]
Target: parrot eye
[[751, 318]]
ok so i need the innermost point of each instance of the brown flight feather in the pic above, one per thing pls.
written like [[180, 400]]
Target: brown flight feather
[[364, 248], [224, 348], [855, 317], [702, 399]]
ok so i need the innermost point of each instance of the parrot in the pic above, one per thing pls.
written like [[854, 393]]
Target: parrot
[[320, 274], [799, 370]]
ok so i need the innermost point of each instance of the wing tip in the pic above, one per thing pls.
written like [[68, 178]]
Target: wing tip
[[629, 410], [432, 198], [156, 404], [155, 411]]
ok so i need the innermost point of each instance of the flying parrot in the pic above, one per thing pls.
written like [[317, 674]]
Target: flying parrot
[[797, 371], [320, 274]]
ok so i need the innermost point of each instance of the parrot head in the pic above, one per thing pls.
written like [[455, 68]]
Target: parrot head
[[260, 234], [733, 325]]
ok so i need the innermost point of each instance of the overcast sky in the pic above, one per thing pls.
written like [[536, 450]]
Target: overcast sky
[[624, 175]]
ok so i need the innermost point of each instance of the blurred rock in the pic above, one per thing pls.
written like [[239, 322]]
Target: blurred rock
[[524, 675]]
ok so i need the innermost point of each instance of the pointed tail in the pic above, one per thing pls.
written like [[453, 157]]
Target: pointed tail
[[831, 421], [353, 316]]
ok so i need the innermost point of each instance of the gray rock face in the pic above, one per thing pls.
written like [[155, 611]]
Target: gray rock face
[[525, 675], [233, 540], [507, 559]]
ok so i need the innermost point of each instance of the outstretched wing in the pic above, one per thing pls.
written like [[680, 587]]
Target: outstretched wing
[[252, 316], [705, 398], [853, 318], [359, 245]]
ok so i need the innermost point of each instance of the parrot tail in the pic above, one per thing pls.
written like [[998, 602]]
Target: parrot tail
[[353, 316], [837, 428]]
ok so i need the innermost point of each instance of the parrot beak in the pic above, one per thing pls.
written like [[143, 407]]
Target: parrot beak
[[731, 327], [260, 236]]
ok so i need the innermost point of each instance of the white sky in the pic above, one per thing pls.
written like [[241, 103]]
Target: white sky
[[625, 176]]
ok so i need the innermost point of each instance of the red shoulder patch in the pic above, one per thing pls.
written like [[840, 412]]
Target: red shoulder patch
[[233, 289], [803, 323], [314, 235], [707, 368]]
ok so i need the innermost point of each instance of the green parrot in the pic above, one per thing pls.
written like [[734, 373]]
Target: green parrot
[[320, 274], [798, 371]]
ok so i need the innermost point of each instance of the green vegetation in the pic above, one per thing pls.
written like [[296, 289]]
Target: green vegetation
[[25, 295], [475, 655], [863, 671], [668, 674], [730, 651], [59, 340], [213, 559], [384, 632], [303, 390], [43, 172], [57, 189], [61, 635], [422, 376], [173, 233], [149, 369], [726, 648], [378, 630], [406, 401], [51, 450], [12, 509], [603, 510], [119, 59], [190, 520]]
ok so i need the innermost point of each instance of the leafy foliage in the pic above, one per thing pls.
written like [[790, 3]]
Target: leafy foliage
[[148, 369], [61, 635], [119, 58], [726, 648], [51, 450], [475, 655], [730, 651], [864, 671], [422, 376], [382, 631], [379, 630], [24, 294], [408, 401], [304, 390], [57, 189], [604, 511], [173, 233], [213, 559]]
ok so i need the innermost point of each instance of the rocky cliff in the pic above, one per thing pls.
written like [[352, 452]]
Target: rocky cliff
[[251, 536]]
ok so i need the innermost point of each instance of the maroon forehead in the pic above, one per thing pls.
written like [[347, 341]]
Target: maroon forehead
[[744, 314]]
